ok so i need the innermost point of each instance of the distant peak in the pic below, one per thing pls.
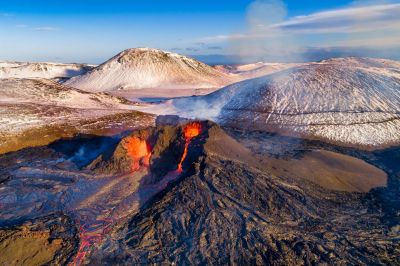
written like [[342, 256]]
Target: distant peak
[[132, 55], [147, 50]]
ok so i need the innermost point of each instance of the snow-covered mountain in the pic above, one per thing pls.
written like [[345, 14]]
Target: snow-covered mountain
[[347, 101], [47, 92], [144, 68], [41, 70]]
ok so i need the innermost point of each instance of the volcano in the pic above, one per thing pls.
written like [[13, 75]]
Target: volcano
[[190, 192], [353, 102], [145, 68]]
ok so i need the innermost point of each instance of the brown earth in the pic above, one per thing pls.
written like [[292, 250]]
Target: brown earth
[[328, 169], [47, 241], [103, 126]]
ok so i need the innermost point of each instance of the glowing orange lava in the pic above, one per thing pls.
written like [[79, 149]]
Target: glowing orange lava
[[190, 131], [89, 237], [139, 151]]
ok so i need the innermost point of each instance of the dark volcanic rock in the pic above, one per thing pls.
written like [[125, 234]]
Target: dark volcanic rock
[[226, 211], [238, 199]]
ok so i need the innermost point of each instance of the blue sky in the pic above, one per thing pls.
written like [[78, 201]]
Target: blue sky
[[92, 31]]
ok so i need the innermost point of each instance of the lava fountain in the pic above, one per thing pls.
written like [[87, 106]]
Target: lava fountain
[[190, 131], [139, 151]]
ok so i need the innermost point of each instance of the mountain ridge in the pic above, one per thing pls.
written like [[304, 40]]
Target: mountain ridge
[[48, 70]]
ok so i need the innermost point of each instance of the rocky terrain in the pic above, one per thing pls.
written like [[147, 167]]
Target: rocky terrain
[[55, 71], [343, 101], [193, 193]]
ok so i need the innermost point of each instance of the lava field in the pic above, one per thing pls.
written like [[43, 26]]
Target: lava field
[[191, 192]]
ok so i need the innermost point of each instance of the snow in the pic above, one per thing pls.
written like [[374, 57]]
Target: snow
[[34, 103], [247, 71], [145, 68], [348, 101], [41, 70], [42, 91]]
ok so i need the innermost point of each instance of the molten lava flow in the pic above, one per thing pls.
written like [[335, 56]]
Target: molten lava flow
[[139, 151], [190, 131], [90, 235]]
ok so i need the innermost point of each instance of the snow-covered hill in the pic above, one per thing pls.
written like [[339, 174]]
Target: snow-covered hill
[[35, 112], [41, 70], [247, 71], [145, 68], [47, 92], [347, 101]]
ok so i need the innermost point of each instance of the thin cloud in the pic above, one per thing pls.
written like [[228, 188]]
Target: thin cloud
[[192, 49], [201, 44], [348, 20], [214, 48], [46, 29], [21, 26], [354, 19], [381, 42], [238, 36]]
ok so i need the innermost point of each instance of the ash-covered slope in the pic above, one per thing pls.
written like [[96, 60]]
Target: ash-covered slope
[[144, 68], [47, 92], [348, 101], [42, 70]]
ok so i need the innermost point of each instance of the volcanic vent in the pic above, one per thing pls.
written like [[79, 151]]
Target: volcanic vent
[[165, 149], [139, 166]]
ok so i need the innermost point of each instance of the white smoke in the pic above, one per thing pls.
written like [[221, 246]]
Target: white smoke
[[261, 38], [198, 108]]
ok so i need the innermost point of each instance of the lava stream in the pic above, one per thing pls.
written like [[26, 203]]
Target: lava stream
[[93, 231], [90, 235], [191, 130]]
